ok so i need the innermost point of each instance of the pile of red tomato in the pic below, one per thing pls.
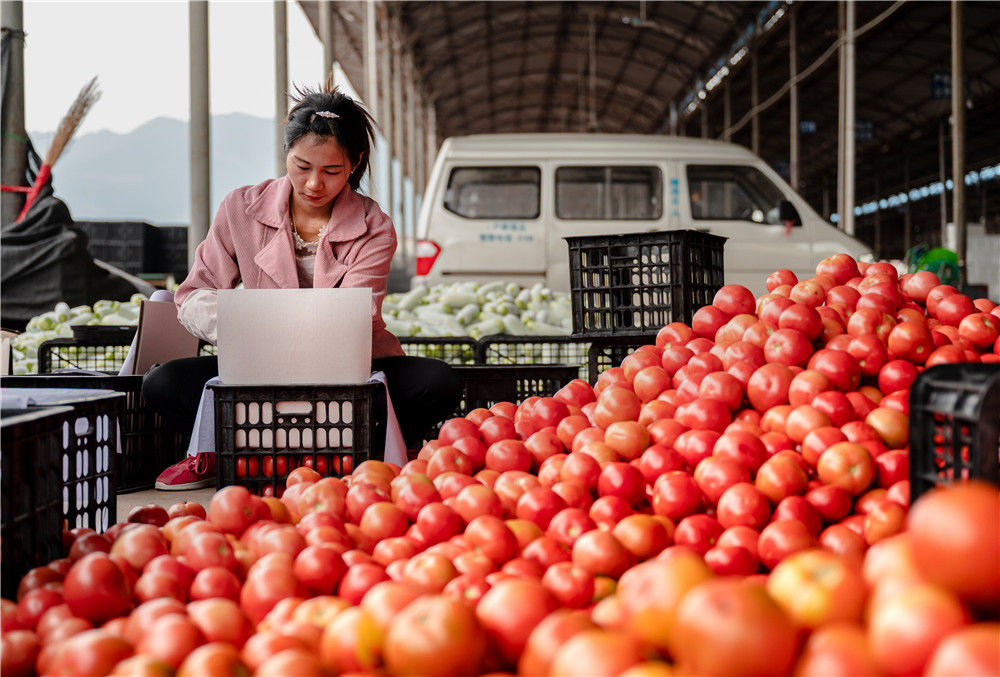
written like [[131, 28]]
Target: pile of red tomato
[[732, 500]]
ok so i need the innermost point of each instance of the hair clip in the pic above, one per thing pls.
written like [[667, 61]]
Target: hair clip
[[324, 114]]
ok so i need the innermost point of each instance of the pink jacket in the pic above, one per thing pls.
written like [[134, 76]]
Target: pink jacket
[[251, 241]]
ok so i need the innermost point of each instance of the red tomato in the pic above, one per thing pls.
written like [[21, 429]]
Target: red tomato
[[778, 540], [781, 277], [698, 532], [768, 386], [20, 649], [95, 589], [577, 392], [435, 635], [497, 428], [676, 495], [510, 610], [449, 459], [568, 525], [215, 582], [622, 480], [905, 628], [706, 321], [726, 626], [972, 650], [743, 504], [616, 404], [848, 465], [954, 540], [457, 428]]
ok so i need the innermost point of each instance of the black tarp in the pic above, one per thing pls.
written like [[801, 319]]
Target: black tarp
[[44, 257]]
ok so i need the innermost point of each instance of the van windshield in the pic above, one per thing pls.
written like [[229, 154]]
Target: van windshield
[[733, 192], [494, 192]]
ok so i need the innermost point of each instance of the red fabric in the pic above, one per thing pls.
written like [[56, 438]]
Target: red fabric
[[251, 241]]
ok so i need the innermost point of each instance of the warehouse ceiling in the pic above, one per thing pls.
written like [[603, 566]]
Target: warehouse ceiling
[[618, 66]]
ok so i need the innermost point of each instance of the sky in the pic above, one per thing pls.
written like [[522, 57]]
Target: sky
[[139, 51]]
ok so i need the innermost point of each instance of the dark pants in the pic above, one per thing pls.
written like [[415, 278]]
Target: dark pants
[[424, 391]]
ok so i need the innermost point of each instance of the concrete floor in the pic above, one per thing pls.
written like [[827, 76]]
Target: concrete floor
[[164, 498]]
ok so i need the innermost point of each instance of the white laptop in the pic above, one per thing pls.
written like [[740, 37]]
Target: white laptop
[[295, 336]]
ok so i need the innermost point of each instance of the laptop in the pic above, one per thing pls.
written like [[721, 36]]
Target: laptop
[[295, 336]]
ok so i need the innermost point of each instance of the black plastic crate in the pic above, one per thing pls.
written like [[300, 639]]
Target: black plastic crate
[[609, 351], [31, 516], [94, 348], [954, 425], [262, 433], [485, 385], [148, 444], [171, 251], [638, 282], [451, 350], [89, 446], [591, 356], [534, 350], [128, 245]]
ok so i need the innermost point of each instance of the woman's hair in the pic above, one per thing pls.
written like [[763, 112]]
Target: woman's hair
[[328, 112]]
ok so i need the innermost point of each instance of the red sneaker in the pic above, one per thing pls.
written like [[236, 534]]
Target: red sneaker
[[194, 472]]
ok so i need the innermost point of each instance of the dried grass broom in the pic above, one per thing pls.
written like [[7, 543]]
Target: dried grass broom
[[67, 128]]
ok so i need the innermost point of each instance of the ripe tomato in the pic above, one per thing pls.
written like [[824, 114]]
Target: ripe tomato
[[510, 610], [650, 592], [848, 465], [676, 495], [600, 553], [817, 587], [778, 540], [743, 504], [768, 386], [954, 533], [972, 650], [726, 626], [616, 404], [905, 628], [95, 589]]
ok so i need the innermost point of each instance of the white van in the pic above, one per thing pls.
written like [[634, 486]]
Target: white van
[[497, 206]]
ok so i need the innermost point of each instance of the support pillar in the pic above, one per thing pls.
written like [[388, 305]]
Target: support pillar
[[754, 101], [326, 35], [371, 82], [943, 177], [280, 81], [385, 112], [430, 143], [14, 147], [727, 110], [200, 111], [958, 139], [793, 100], [398, 138], [849, 115]]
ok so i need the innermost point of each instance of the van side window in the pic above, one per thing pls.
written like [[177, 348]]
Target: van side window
[[609, 193], [733, 192], [494, 192]]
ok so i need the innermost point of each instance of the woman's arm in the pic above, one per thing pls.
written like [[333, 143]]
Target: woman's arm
[[215, 265], [214, 268], [200, 314], [371, 267]]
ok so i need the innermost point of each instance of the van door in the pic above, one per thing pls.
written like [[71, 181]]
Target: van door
[[600, 199], [740, 202], [488, 222]]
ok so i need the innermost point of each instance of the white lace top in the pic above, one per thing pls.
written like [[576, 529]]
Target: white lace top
[[305, 257]]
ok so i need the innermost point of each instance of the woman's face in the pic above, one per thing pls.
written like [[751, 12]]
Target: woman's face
[[318, 169]]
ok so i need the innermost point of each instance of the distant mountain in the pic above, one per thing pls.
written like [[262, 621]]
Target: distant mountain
[[144, 175]]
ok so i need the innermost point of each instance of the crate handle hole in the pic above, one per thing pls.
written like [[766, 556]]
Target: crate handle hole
[[292, 408]]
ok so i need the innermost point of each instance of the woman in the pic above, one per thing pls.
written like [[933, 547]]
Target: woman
[[309, 228]]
